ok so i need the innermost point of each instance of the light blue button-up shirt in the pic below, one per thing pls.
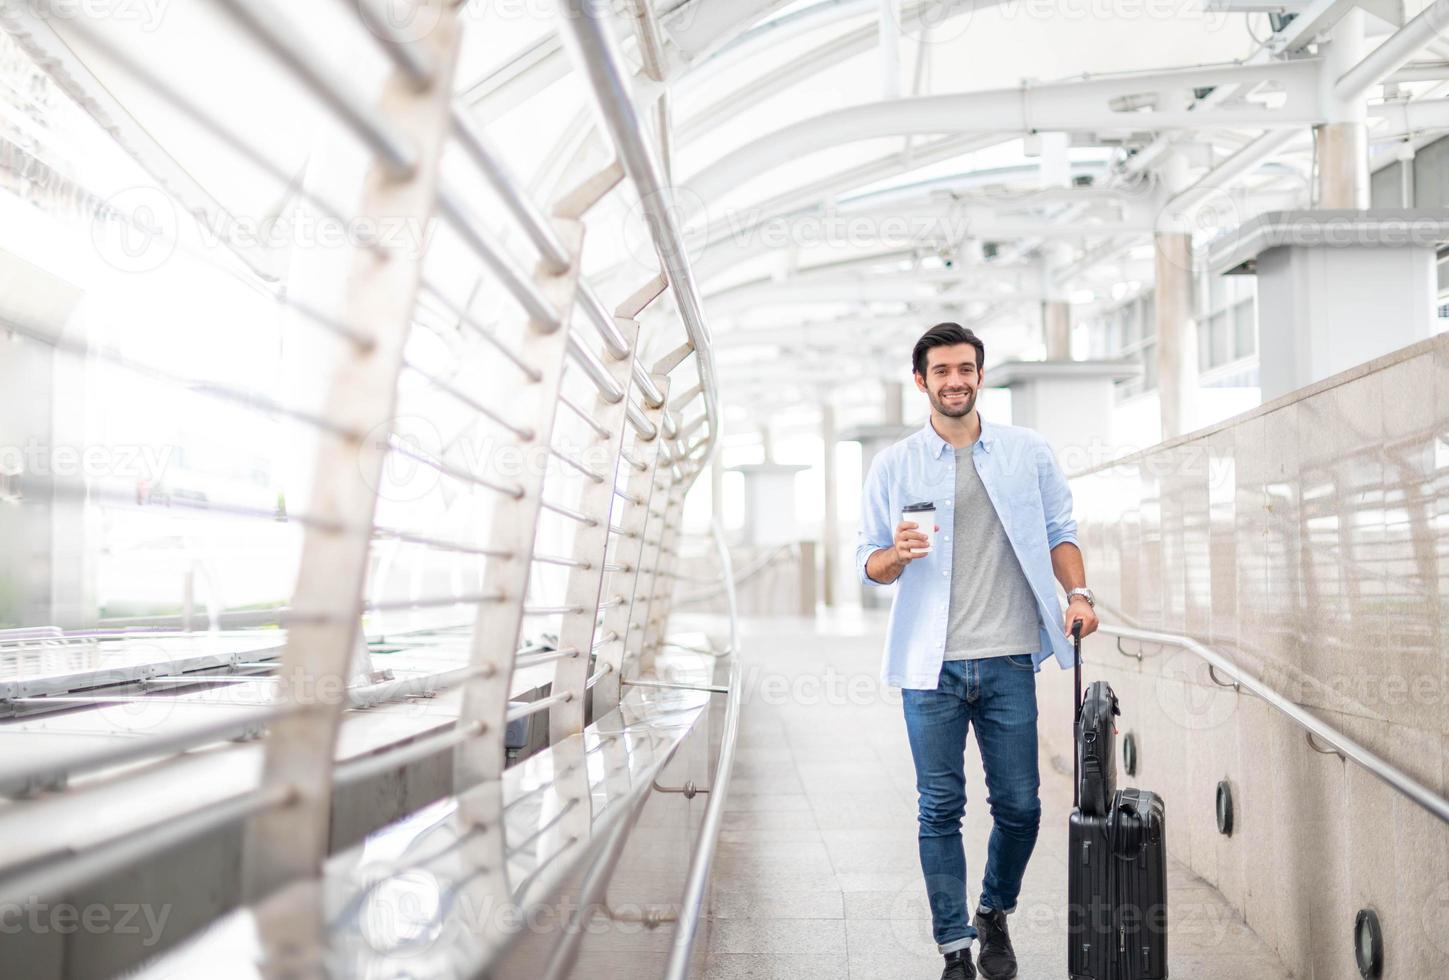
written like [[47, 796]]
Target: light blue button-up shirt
[[1031, 497]]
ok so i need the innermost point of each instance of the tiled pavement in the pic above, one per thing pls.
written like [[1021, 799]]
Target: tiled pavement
[[816, 873]]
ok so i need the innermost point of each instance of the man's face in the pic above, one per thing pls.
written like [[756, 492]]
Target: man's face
[[952, 379]]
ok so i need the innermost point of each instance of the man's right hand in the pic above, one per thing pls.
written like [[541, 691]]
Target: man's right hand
[[908, 538], [885, 565]]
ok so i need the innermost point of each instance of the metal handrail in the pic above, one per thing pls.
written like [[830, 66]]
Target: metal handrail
[[692, 903], [588, 25], [408, 153], [1316, 728]]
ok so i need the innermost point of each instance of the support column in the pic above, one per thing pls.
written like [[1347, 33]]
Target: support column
[[1056, 311], [1333, 305], [1342, 165], [1406, 174], [1342, 141], [1071, 403], [1175, 313], [1176, 333], [830, 517], [47, 567], [1056, 321], [769, 504], [892, 412]]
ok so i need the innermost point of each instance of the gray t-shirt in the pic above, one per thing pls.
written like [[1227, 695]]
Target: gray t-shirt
[[993, 612]]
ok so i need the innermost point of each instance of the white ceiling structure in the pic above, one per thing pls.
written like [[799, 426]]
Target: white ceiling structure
[[849, 171]]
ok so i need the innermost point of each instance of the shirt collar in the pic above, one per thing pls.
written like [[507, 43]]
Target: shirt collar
[[937, 445]]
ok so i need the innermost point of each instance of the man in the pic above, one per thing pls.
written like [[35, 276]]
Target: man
[[975, 616]]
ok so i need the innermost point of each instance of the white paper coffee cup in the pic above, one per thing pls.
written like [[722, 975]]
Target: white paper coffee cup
[[923, 515]]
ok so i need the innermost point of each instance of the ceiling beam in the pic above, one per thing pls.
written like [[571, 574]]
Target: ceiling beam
[[1136, 102]]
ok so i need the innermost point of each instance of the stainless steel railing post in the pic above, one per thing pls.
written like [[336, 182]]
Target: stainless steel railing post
[[649, 563], [591, 545], [662, 583], [629, 551], [283, 843], [513, 529]]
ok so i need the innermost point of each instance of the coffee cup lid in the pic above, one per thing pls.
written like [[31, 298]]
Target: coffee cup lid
[[909, 508]]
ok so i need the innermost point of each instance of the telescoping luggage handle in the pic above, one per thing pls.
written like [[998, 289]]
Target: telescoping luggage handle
[[1077, 715]]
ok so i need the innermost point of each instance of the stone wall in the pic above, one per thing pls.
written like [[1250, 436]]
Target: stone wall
[[1308, 540]]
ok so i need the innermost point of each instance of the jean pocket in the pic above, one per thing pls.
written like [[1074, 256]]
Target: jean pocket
[[1021, 661]]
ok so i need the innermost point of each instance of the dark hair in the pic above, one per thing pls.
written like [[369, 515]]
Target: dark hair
[[946, 335]]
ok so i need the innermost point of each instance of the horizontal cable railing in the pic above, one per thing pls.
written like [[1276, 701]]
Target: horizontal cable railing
[[613, 459]]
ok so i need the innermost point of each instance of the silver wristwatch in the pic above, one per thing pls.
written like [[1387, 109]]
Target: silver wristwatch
[[1085, 593]]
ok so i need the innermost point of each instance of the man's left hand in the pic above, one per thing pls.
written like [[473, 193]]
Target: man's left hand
[[1080, 608]]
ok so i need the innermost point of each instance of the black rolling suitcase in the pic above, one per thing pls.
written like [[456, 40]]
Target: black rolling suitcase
[[1116, 876]]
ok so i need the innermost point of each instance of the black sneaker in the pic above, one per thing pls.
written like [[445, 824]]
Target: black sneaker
[[958, 966], [997, 958]]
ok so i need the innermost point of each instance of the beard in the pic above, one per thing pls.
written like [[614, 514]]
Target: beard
[[954, 410]]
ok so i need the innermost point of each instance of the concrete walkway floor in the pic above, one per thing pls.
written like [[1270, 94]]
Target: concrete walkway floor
[[817, 874]]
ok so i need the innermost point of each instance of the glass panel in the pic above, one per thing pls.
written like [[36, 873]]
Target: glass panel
[[1217, 293]]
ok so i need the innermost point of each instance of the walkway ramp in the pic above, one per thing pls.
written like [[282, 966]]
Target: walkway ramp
[[817, 874]]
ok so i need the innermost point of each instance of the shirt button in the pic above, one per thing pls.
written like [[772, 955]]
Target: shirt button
[[945, 573], [948, 537]]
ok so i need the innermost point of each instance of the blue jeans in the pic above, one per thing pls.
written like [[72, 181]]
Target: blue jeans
[[998, 696]]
